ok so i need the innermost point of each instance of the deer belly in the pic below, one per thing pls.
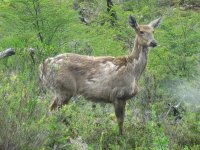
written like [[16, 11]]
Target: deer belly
[[97, 92]]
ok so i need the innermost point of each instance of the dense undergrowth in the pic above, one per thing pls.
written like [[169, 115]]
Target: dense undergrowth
[[152, 119]]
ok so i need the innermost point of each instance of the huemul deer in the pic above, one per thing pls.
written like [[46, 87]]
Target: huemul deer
[[100, 79]]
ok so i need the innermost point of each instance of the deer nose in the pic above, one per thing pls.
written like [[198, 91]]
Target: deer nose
[[153, 44]]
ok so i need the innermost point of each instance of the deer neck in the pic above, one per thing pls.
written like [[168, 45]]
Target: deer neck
[[138, 58]]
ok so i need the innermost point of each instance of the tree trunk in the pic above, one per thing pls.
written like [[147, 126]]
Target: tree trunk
[[111, 11]]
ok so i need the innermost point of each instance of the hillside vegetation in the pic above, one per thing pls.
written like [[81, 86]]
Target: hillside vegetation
[[164, 115]]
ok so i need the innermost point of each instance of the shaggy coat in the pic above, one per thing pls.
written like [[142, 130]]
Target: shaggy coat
[[100, 79]]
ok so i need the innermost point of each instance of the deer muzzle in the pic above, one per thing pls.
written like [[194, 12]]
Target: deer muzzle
[[153, 44]]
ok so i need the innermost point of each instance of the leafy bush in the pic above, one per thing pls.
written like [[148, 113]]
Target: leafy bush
[[171, 77]]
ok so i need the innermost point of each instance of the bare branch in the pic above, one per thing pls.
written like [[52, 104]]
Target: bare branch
[[109, 9], [8, 52]]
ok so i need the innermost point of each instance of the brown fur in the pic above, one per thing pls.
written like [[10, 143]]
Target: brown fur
[[99, 79]]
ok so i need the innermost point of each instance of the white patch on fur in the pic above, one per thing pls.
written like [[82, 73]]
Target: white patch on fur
[[133, 85], [49, 61], [108, 67], [60, 61]]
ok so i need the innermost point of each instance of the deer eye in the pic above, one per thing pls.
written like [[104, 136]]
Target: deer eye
[[142, 32]]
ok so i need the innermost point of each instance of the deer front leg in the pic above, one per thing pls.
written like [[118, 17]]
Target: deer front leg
[[119, 106]]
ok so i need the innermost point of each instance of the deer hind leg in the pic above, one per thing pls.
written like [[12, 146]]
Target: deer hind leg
[[54, 105], [60, 100], [64, 89], [119, 106]]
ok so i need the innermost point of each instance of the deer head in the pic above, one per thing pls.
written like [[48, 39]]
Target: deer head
[[145, 32]]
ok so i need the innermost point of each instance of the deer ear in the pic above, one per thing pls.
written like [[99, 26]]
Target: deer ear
[[155, 23], [133, 23]]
